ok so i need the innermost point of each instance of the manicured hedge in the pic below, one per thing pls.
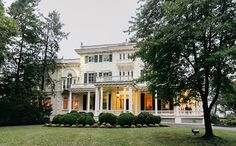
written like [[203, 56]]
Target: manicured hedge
[[57, 119], [144, 118], [156, 119], [84, 119], [126, 119], [69, 119], [107, 118]]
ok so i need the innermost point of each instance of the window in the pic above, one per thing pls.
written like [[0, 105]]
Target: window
[[91, 78], [63, 84], [100, 58], [65, 103], [96, 58], [132, 73], [120, 56], [74, 81], [123, 56], [106, 58], [91, 59], [123, 73], [75, 102], [128, 73], [120, 73], [69, 80]]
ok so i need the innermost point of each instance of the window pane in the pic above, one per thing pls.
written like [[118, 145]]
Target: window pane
[[65, 103]]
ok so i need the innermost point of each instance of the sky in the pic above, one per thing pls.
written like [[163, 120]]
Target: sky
[[91, 22]]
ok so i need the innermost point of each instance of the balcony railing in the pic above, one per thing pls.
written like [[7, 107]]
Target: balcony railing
[[82, 86], [114, 79]]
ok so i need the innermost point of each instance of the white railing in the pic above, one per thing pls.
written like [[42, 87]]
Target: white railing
[[125, 61], [114, 79], [174, 113], [82, 86]]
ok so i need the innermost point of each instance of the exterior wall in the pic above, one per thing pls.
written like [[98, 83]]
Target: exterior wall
[[77, 67]]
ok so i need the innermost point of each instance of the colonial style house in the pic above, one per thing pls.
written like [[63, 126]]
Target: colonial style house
[[102, 80]]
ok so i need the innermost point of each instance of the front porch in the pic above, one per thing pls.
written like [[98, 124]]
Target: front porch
[[120, 97]]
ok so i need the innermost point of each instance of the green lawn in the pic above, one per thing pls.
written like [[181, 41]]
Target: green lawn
[[58, 136]]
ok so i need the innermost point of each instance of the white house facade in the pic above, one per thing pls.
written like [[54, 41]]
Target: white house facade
[[102, 80]]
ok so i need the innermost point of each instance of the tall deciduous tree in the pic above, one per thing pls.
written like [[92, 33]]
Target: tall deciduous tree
[[187, 44]]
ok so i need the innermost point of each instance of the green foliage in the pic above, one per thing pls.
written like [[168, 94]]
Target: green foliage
[[126, 119], [29, 43], [145, 118], [69, 119], [187, 45], [57, 119], [215, 119], [91, 114], [85, 118], [156, 119], [107, 118], [230, 122]]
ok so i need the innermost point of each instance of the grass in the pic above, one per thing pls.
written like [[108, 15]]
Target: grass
[[58, 136]]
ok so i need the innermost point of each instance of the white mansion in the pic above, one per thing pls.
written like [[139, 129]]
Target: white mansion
[[101, 80]]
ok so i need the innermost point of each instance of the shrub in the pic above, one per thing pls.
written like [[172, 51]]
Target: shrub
[[156, 119], [230, 122], [125, 119], [215, 119], [57, 119], [144, 118], [84, 119], [107, 118], [69, 119], [91, 114]]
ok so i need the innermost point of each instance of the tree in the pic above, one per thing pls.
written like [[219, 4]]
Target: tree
[[8, 29], [52, 35], [187, 45]]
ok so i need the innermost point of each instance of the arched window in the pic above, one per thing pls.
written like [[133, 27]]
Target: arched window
[[65, 103], [69, 80]]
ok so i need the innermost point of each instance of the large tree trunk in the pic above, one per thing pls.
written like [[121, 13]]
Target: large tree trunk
[[208, 129]]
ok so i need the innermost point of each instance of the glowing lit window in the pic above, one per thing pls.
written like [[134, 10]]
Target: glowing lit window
[[65, 103], [75, 103]]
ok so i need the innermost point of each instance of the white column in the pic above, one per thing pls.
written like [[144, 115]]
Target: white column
[[88, 102], [136, 102], [96, 101], [156, 105], [124, 99], [101, 100], [66, 84], [130, 99], [69, 102], [177, 107], [107, 101]]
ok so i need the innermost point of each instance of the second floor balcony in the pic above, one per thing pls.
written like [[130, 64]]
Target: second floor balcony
[[114, 79]]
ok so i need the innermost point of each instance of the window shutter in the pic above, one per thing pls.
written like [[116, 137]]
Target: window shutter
[[110, 56], [100, 58], [86, 59], [95, 58], [100, 74], [95, 74], [85, 78]]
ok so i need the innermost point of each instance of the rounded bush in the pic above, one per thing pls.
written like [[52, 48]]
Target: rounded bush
[[85, 119], [57, 119], [107, 118], [125, 119], [145, 118], [156, 119], [91, 114], [230, 122], [69, 119]]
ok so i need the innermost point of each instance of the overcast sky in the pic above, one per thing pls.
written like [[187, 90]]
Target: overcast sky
[[90, 21]]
